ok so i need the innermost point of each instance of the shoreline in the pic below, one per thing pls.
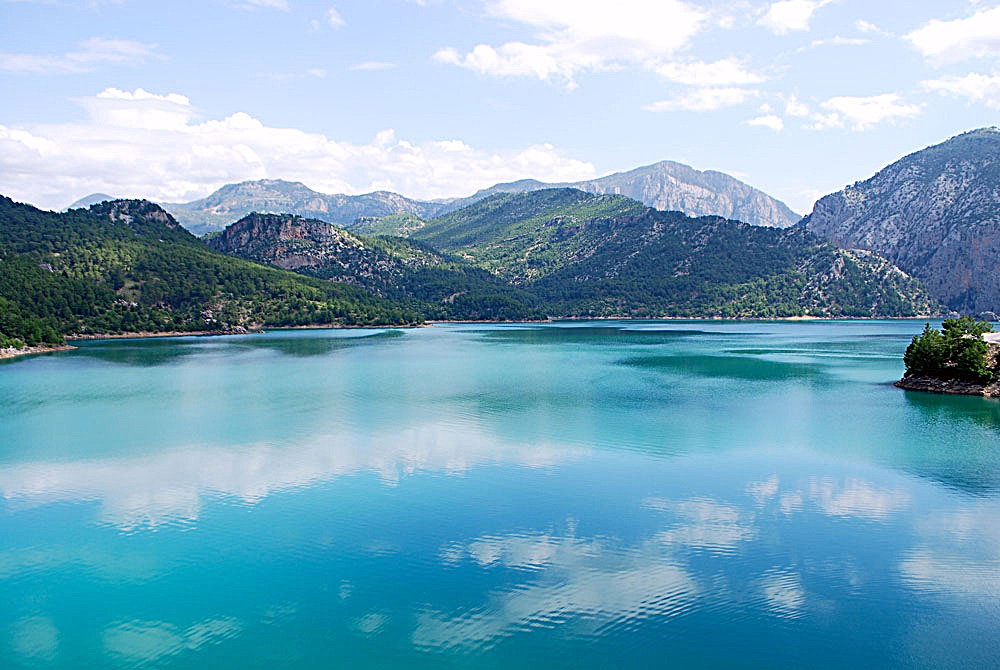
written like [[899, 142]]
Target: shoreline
[[7, 354], [556, 319]]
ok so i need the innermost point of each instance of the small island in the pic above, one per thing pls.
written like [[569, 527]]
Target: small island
[[962, 357]]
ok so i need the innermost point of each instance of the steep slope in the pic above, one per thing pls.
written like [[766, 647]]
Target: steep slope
[[934, 213], [235, 201], [605, 255], [405, 270], [127, 265], [669, 186]]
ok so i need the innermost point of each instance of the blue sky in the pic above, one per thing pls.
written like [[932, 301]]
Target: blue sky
[[441, 97]]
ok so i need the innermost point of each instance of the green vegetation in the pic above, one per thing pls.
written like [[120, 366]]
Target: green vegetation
[[604, 255], [126, 266], [957, 351], [400, 224]]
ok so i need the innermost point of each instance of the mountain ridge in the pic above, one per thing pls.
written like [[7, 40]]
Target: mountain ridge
[[568, 253], [935, 213], [666, 185]]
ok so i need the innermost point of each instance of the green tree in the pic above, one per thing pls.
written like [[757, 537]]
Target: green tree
[[925, 356], [957, 351]]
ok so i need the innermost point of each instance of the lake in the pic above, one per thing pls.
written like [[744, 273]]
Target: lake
[[587, 494]]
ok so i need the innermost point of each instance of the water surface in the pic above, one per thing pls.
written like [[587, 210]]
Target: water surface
[[569, 494]]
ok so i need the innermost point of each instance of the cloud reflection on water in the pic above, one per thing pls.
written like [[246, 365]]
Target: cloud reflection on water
[[170, 486]]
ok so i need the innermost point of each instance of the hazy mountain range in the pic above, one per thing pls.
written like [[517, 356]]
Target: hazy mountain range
[[664, 186]]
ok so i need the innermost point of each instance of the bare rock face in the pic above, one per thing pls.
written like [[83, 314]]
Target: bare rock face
[[286, 241], [673, 186], [935, 214]]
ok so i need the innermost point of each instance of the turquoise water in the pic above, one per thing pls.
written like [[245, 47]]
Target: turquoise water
[[582, 494]]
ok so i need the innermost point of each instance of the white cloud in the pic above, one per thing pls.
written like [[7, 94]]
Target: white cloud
[[264, 4], [370, 65], [333, 18], [90, 55], [870, 28], [726, 72], [703, 100], [838, 41], [973, 87], [863, 113], [581, 35], [948, 41], [788, 15], [795, 108], [767, 121], [146, 145]]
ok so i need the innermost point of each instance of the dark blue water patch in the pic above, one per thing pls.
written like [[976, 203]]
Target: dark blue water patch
[[727, 367], [152, 352]]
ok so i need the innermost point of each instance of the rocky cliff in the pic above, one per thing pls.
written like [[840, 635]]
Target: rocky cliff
[[935, 214]]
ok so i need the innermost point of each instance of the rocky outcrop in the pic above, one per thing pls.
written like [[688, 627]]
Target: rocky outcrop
[[949, 386], [321, 249], [935, 214], [957, 386]]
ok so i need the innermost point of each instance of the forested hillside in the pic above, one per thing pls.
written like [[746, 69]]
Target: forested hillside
[[437, 286], [127, 266]]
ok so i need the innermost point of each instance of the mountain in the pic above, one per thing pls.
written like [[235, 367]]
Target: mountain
[[88, 200], [567, 253], [665, 185], [669, 186], [404, 270], [234, 201], [128, 266], [934, 213]]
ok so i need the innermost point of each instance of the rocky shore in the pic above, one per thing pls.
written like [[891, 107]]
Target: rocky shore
[[14, 352], [954, 386]]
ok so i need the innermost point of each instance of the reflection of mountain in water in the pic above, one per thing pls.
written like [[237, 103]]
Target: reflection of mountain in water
[[151, 352]]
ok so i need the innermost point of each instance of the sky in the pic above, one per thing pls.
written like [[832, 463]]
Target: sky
[[438, 98]]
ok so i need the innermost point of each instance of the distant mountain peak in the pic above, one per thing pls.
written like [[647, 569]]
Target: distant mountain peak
[[669, 185], [88, 200]]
